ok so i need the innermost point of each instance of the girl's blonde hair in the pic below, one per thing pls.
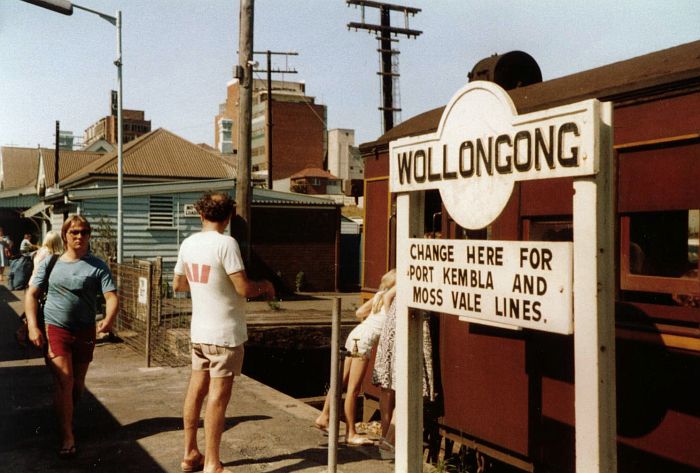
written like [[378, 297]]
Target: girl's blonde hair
[[387, 282], [53, 242]]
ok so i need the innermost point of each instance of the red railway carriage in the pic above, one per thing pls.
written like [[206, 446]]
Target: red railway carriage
[[511, 394]]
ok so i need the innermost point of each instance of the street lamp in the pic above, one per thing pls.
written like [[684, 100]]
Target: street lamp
[[65, 7]]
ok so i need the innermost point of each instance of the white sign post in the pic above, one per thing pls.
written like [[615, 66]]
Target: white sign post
[[480, 149]]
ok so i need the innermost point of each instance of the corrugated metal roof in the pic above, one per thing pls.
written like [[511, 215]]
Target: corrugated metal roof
[[613, 82], [20, 166], [69, 162], [260, 196], [159, 154], [288, 198], [349, 226]]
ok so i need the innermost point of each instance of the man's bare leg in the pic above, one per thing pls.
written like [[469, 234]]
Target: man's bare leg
[[62, 369], [214, 421], [79, 373], [196, 392]]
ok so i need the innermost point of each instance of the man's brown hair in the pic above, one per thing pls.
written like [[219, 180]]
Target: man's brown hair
[[215, 206]]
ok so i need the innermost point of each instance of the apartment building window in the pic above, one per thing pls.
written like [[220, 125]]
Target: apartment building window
[[160, 211]]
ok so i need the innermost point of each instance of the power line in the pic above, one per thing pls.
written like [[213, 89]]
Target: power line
[[389, 74], [269, 72]]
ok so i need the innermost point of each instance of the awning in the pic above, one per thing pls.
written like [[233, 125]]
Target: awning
[[35, 209]]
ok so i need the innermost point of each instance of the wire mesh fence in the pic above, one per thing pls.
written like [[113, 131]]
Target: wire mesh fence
[[153, 320]]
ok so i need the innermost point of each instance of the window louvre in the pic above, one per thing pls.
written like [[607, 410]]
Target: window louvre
[[160, 211]]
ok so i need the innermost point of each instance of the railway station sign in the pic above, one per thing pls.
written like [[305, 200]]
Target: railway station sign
[[479, 150], [523, 284], [482, 147]]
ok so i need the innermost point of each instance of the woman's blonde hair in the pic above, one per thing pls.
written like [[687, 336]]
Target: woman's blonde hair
[[387, 282], [53, 242]]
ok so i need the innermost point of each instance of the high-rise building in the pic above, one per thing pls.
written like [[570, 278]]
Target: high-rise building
[[66, 139], [345, 161], [298, 138], [134, 125]]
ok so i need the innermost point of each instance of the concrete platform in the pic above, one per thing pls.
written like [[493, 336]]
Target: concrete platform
[[130, 418]]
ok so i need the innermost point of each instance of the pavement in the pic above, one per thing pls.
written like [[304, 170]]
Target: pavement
[[130, 417]]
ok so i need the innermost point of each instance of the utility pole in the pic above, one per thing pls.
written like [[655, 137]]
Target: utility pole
[[58, 150], [270, 71], [120, 138], [389, 74], [244, 72], [65, 7]]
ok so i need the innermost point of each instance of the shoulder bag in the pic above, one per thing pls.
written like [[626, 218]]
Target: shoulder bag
[[22, 332]]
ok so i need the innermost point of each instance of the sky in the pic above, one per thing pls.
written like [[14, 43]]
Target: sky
[[178, 55]]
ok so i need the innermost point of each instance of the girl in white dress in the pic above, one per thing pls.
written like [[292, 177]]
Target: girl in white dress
[[359, 345]]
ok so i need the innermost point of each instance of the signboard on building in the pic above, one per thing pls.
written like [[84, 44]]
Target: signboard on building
[[189, 211], [114, 103]]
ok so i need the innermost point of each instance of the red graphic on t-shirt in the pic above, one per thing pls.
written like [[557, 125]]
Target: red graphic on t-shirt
[[195, 275]]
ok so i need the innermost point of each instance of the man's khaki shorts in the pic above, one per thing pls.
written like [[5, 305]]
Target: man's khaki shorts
[[219, 361]]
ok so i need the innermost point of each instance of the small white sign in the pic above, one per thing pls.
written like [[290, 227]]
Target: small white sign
[[189, 210], [143, 290], [523, 284], [482, 147]]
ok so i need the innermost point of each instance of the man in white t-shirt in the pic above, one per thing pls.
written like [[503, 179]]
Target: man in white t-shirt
[[210, 267], [27, 246]]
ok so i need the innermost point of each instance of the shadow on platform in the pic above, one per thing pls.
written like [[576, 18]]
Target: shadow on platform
[[29, 436]]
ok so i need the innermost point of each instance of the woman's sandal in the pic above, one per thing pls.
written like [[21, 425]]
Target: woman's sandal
[[384, 444], [320, 427], [66, 453]]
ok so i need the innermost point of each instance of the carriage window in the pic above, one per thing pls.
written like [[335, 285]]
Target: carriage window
[[433, 214], [659, 253], [549, 230], [664, 243]]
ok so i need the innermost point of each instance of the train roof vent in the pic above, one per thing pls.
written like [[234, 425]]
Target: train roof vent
[[509, 70]]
